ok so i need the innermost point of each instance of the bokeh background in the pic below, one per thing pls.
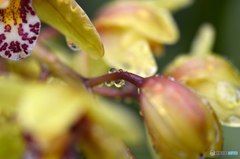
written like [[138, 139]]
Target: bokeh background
[[224, 15]]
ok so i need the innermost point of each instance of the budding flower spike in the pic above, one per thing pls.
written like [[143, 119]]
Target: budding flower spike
[[20, 26], [181, 124]]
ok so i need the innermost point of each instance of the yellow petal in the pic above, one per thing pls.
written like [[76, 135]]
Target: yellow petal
[[11, 141], [204, 40], [27, 69], [151, 21], [89, 67], [118, 121], [4, 4], [97, 144], [128, 51], [223, 97], [19, 29], [172, 4], [69, 18], [47, 111]]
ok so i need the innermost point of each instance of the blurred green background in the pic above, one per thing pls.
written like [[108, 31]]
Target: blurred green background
[[224, 15]]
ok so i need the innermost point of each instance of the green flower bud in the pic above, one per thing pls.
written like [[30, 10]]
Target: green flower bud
[[181, 124]]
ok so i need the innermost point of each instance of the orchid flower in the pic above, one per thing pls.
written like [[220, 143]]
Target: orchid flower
[[20, 26], [211, 75]]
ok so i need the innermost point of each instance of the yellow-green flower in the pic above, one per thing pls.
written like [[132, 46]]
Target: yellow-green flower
[[181, 124], [56, 116], [211, 75], [131, 31], [20, 26]]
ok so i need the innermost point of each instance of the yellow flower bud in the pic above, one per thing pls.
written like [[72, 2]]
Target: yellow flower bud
[[215, 78], [181, 124]]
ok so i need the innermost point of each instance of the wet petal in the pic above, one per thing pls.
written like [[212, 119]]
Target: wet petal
[[215, 78], [172, 4], [38, 104], [118, 121], [128, 51], [141, 18], [4, 4], [97, 143], [69, 18], [19, 29], [204, 40]]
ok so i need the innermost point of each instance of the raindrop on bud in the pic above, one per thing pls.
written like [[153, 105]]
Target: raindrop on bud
[[109, 83], [120, 70], [171, 78], [119, 83], [112, 70]]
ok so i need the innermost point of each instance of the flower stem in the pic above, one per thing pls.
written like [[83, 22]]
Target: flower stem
[[133, 78]]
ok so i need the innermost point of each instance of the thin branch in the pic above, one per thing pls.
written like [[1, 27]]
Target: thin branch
[[134, 79]]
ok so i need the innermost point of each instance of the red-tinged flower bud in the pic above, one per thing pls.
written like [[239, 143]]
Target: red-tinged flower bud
[[215, 78], [182, 125]]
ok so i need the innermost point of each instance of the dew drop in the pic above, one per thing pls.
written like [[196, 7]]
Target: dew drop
[[119, 83], [140, 112], [72, 46], [109, 83], [112, 70], [120, 70], [20, 57], [228, 94], [83, 14], [171, 78], [87, 26], [139, 90]]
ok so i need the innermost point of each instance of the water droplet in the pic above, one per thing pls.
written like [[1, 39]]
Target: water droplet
[[109, 83], [228, 95], [20, 57], [140, 112], [72, 46], [83, 14], [87, 26], [119, 83], [158, 75], [120, 70], [112, 70], [139, 90], [171, 78]]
